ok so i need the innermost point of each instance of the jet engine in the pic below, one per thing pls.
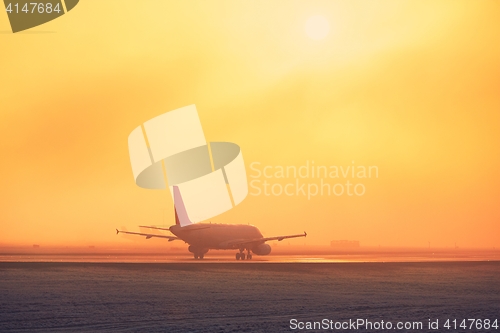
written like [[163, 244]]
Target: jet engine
[[193, 249], [262, 249]]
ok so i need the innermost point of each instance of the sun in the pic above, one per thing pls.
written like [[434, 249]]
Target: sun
[[317, 27]]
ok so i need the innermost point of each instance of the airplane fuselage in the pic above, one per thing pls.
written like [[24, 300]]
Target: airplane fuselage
[[205, 236]]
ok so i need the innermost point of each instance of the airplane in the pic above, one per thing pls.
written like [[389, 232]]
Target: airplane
[[203, 237]]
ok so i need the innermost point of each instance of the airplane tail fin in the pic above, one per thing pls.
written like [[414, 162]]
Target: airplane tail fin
[[181, 216], [176, 217]]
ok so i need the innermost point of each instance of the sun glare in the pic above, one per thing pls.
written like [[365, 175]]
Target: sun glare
[[317, 27]]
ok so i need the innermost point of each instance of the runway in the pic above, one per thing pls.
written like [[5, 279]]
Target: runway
[[228, 297], [228, 257]]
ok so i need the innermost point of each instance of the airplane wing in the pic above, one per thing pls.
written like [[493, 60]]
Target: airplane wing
[[150, 227], [191, 229], [148, 236], [238, 243]]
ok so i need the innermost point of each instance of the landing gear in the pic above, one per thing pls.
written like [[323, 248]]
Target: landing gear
[[198, 256], [249, 255], [241, 255]]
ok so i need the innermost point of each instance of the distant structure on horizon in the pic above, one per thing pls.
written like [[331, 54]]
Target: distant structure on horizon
[[344, 244]]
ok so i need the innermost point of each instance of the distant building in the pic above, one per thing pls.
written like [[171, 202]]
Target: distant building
[[344, 244], [36, 246]]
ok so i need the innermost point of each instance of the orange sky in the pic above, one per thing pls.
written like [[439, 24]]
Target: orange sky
[[410, 87]]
